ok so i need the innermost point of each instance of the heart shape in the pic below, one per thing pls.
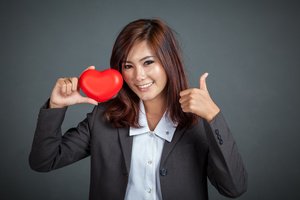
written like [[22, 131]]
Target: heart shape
[[101, 85]]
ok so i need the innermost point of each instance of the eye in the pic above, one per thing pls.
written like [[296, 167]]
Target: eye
[[127, 66], [148, 62]]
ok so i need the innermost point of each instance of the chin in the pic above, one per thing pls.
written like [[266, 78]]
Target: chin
[[146, 97]]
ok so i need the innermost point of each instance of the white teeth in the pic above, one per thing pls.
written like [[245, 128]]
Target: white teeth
[[145, 86]]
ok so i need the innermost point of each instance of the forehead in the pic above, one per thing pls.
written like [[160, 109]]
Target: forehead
[[139, 50]]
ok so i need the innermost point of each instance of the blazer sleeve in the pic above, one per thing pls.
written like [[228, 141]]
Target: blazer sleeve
[[50, 148], [225, 168]]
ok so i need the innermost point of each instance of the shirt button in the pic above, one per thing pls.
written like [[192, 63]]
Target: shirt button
[[149, 162], [167, 132], [149, 190], [151, 134], [163, 172]]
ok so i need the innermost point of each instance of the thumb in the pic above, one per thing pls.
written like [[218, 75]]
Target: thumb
[[88, 100], [203, 81]]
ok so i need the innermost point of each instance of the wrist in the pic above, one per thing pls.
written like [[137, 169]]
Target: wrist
[[53, 105], [211, 115]]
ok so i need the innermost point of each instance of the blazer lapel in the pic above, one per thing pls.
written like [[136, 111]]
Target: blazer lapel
[[126, 145], [168, 146]]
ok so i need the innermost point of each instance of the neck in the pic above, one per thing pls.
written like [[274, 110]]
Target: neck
[[155, 107], [154, 111]]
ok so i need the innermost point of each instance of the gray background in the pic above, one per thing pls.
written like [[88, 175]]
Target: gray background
[[250, 48]]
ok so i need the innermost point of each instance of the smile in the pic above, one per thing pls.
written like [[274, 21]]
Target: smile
[[145, 85]]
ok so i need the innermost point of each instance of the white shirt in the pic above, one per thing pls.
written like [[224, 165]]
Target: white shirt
[[144, 182]]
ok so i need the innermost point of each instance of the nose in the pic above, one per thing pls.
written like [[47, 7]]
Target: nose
[[140, 73]]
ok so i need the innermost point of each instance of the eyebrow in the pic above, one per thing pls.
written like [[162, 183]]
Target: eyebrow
[[146, 57]]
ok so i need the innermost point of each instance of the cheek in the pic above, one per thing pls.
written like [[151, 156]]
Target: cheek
[[161, 74], [126, 77], [164, 79]]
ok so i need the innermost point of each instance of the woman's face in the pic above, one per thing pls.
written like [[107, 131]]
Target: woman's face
[[144, 74]]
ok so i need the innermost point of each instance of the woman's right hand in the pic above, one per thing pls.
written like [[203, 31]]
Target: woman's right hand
[[66, 93]]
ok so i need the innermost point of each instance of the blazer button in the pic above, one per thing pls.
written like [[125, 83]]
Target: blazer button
[[217, 131], [221, 142], [163, 172]]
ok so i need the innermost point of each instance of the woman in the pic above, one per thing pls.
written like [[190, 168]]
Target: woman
[[156, 139]]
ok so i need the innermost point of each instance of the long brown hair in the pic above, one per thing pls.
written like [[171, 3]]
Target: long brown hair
[[123, 110]]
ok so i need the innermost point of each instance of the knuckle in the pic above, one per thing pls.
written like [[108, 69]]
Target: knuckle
[[192, 97], [190, 106], [73, 79], [62, 78], [194, 91], [60, 81]]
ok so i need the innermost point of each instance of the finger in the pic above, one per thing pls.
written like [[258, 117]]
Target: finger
[[190, 92], [90, 67], [68, 83], [74, 81], [184, 99], [203, 81], [186, 107], [186, 92], [63, 86]]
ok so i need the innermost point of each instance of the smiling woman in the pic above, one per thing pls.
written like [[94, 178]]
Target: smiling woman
[[157, 139], [139, 44], [145, 74]]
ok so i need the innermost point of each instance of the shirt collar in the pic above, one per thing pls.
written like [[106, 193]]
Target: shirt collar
[[164, 129]]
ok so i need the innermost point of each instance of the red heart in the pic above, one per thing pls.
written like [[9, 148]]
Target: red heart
[[100, 85]]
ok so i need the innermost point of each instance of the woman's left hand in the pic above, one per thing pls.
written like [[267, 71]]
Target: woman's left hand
[[198, 101]]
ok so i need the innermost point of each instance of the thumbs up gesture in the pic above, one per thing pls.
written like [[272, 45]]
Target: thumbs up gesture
[[198, 101]]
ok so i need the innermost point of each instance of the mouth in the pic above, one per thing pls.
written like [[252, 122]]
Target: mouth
[[145, 85]]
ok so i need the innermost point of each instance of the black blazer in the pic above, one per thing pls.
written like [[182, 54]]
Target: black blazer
[[204, 150]]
